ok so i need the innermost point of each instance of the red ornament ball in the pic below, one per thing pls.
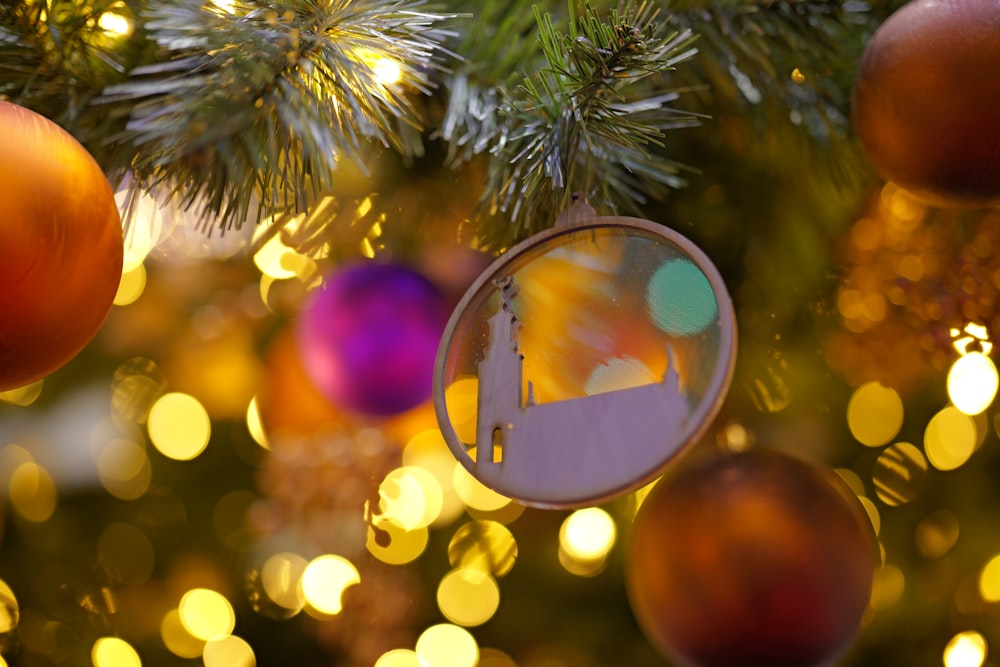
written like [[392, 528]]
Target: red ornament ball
[[60, 247], [750, 560], [369, 337], [926, 102]]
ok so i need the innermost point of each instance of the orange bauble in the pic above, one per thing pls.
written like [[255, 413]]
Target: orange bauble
[[750, 560], [60, 246], [926, 100]]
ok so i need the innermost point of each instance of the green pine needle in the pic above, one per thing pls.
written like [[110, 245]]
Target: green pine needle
[[588, 122]]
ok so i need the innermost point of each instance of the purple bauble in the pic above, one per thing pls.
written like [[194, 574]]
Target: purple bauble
[[368, 338]]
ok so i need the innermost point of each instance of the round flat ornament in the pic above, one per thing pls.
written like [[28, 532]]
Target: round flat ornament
[[584, 359]]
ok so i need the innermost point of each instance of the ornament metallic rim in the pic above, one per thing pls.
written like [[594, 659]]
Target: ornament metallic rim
[[698, 421]]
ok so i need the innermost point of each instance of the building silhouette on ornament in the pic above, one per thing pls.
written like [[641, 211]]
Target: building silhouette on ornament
[[555, 452]]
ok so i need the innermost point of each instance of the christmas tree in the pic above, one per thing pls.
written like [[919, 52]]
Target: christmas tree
[[212, 477]]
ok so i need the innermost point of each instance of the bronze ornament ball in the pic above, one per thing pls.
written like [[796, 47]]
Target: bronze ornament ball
[[60, 247], [754, 559], [926, 101]]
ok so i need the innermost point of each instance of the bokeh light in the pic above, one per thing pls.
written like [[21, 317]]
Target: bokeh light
[[281, 577], [874, 414], [680, 298], [989, 580], [179, 426], [410, 496], [491, 657], [32, 492], [176, 637], [899, 473], [966, 649], [447, 645], [400, 657], [22, 396], [428, 450], [10, 612], [131, 286], [485, 545], [972, 383], [936, 533], [114, 652], [387, 71], [468, 596], [228, 651], [950, 439], [461, 399], [124, 468], [888, 585], [206, 614], [588, 534], [391, 543], [255, 425], [474, 493], [324, 581], [127, 551]]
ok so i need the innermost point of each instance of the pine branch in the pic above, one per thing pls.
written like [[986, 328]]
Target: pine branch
[[298, 87], [784, 64], [585, 124]]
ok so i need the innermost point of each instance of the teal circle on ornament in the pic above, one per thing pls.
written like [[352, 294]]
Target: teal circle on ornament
[[680, 299]]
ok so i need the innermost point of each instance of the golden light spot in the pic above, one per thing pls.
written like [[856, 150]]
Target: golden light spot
[[888, 585], [411, 496], [124, 469], [387, 71], [270, 259], [400, 657], [446, 645], [950, 439], [428, 450], [637, 498], [460, 399], [179, 426], [206, 614], [176, 637], [474, 494], [798, 76], [33, 492], [588, 534], [899, 472], [391, 543], [735, 437], [281, 577], [22, 396], [872, 513], [874, 414], [989, 580], [135, 386], [144, 218], [972, 383], [130, 288], [936, 533], [485, 545], [966, 649], [852, 480], [114, 652], [226, 6], [468, 596], [255, 425], [9, 610], [491, 657], [324, 581], [127, 551], [230, 651]]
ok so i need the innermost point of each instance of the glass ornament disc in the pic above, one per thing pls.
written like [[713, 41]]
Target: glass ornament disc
[[583, 360]]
